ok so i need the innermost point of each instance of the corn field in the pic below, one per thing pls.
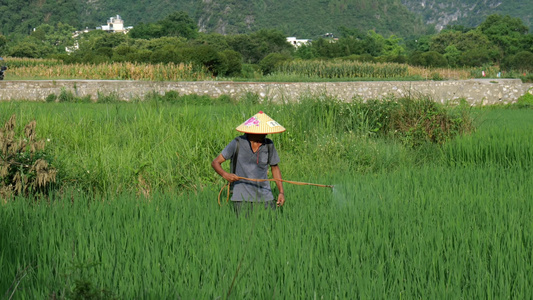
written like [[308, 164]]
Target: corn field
[[323, 69], [118, 71]]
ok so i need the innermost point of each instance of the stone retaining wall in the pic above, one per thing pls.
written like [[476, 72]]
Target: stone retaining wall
[[475, 91]]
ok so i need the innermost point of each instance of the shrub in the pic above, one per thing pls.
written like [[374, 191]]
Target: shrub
[[434, 59], [522, 61], [234, 62], [24, 168], [271, 61], [423, 120]]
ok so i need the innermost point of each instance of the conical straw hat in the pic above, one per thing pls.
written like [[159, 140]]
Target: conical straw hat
[[260, 123]]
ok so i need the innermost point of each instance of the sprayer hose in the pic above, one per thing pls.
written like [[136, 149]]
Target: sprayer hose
[[262, 180]]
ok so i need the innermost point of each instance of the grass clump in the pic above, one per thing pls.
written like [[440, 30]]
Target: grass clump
[[524, 101], [413, 121], [24, 166]]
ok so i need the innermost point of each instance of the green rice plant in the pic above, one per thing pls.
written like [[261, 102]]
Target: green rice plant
[[144, 221], [417, 232], [504, 141]]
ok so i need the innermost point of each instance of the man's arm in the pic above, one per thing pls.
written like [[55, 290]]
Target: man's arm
[[217, 165], [276, 173]]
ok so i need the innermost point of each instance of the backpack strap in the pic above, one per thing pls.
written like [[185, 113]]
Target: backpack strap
[[233, 167], [270, 146]]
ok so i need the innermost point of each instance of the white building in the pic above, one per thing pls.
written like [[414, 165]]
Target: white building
[[115, 24], [297, 42]]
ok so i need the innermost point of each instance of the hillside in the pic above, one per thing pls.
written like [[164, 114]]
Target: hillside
[[469, 13], [302, 18]]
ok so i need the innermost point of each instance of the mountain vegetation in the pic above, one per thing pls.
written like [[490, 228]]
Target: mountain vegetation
[[302, 18], [468, 13], [500, 41]]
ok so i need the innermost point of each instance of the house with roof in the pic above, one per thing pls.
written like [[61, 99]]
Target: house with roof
[[297, 42]]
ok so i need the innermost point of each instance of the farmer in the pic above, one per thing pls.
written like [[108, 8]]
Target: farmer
[[251, 154]]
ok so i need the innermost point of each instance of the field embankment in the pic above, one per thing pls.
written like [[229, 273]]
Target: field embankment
[[474, 91]]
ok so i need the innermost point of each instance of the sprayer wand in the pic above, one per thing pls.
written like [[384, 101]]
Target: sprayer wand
[[273, 179]]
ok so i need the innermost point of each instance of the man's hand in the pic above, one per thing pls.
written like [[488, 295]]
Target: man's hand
[[230, 177], [217, 165], [281, 200]]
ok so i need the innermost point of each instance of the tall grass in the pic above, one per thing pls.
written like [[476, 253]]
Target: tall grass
[[167, 142]]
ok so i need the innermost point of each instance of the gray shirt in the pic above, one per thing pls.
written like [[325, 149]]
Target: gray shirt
[[251, 165]]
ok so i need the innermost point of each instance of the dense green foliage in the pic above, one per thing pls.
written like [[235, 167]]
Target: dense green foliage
[[436, 222], [499, 41]]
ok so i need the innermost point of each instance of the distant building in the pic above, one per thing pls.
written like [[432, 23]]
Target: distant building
[[297, 42], [115, 24]]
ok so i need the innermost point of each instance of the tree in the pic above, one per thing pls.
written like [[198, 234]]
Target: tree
[[215, 40], [326, 48], [474, 47], [504, 31], [254, 47], [392, 47], [58, 36], [146, 31], [3, 43], [207, 56], [166, 54], [428, 59], [29, 48], [234, 62], [271, 61], [179, 24], [522, 61], [475, 58], [374, 43], [452, 54], [306, 52], [434, 59]]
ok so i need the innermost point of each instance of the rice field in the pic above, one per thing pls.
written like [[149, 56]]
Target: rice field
[[451, 221]]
